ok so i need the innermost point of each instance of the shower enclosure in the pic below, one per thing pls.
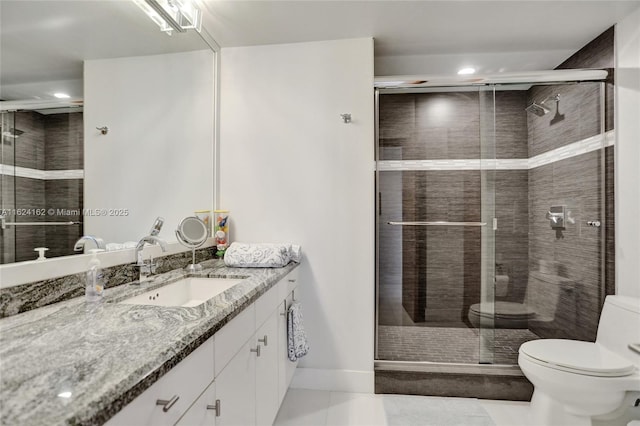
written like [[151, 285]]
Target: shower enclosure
[[491, 221]]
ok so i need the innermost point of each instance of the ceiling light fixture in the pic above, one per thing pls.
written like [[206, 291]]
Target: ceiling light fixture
[[172, 15], [466, 71], [61, 95]]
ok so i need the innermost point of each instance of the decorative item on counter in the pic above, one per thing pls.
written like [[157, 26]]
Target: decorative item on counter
[[221, 231], [94, 286], [205, 216]]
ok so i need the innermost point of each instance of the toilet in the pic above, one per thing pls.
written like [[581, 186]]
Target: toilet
[[579, 383], [541, 302]]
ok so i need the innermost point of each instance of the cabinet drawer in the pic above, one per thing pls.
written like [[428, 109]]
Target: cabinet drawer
[[231, 337], [266, 304], [287, 284], [185, 381]]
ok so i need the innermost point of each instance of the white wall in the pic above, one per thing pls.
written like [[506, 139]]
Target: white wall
[[291, 170], [157, 159], [628, 155]]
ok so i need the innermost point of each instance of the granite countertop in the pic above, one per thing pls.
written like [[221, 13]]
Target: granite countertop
[[79, 363]]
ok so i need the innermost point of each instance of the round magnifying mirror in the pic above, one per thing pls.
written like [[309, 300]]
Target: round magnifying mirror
[[192, 232]]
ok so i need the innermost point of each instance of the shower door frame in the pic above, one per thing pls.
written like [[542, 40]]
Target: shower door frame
[[537, 78]]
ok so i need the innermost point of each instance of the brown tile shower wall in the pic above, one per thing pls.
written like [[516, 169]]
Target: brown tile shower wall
[[63, 194], [573, 254], [64, 140], [447, 126]]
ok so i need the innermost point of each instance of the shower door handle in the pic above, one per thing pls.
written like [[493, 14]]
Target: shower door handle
[[438, 223]]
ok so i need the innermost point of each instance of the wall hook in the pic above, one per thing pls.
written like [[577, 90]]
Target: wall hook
[[346, 118], [104, 129]]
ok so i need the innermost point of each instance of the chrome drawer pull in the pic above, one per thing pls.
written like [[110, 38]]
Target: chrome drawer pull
[[256, 350], [167, 404], [291, 280], [215, 407], [264, 340]]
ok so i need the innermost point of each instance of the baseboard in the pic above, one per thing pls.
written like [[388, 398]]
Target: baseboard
[[333, 380]]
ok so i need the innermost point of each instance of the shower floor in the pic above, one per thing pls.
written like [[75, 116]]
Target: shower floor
[[447, 344]]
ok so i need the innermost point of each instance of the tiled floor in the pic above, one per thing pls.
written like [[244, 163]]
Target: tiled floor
[[447, 344], [324, 408]]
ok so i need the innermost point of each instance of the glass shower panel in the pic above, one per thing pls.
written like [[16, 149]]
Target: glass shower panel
[[567, 162], [430, 226], [7, 184], [489, 223]]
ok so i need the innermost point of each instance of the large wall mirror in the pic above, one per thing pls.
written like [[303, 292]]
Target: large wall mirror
[[107, 123]]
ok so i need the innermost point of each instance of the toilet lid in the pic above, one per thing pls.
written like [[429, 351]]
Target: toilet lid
[[577, 357], [505, 310]]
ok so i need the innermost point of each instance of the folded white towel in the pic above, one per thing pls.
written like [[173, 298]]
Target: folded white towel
[[245, 255], [295, 252], [297, 345]]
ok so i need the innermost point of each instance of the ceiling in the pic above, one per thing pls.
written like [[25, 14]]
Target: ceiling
[[434, 28], [46, 41]]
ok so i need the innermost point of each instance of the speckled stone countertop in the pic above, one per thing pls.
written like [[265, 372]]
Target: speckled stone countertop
[[106, 354]]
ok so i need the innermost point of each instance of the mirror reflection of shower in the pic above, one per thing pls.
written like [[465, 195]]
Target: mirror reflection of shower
[[41, 178]]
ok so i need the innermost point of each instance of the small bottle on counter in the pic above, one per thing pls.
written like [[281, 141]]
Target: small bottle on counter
[[94, 288]]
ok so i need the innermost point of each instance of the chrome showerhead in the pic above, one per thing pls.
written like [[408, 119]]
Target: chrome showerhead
[[537, 109]]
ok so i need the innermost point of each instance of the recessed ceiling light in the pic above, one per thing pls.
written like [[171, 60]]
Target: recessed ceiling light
[[61, 95], [466, 71]]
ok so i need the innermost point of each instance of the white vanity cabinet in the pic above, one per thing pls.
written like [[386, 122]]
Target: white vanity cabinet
[[170, 397], [240, 379], [235, 389], [267, 401]]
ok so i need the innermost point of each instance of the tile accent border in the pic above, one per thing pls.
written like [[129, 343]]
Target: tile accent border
[[568, 151], [26, 172]]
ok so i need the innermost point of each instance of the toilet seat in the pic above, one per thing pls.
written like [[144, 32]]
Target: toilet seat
[[586, 358], [505, 310]]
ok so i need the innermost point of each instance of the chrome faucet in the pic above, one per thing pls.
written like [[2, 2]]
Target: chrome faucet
[[147, 269], [79, 246]]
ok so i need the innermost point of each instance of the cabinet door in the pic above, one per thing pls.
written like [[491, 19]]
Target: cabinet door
[[286, 368], [283, 357], [201, 412], [267, 397], [235, 388]]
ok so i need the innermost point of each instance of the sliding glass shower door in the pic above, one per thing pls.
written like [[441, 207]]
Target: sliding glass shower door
[[494, 218], [435, 210]]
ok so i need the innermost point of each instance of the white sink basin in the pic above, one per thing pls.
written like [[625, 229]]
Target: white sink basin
[[186, 292]]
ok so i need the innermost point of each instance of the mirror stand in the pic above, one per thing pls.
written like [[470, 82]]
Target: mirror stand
[[192, 232]]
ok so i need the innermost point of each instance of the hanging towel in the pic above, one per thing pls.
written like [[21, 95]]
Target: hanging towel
[[245, 255], [296, 337]]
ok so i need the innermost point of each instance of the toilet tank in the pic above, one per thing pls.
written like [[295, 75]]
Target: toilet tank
[[620, 325]]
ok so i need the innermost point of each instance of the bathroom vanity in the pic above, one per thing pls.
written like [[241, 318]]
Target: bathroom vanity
[[221, 362]]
